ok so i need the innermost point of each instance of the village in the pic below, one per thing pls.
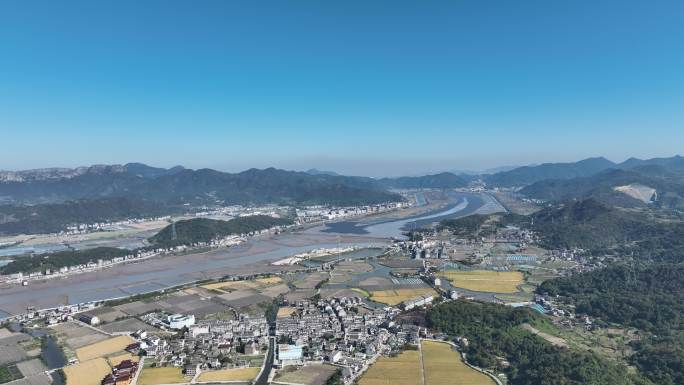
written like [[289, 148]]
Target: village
[[330, 313]]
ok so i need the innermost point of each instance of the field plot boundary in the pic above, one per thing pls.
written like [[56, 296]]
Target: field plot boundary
[[485, 281], [473, 375], [240, 375]]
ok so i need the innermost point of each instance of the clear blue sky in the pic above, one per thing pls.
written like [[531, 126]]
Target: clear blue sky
[[360, 87]]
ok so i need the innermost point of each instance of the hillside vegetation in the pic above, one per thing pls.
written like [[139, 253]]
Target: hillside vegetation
[[196, 230], [180, 186], [494, 334], [525, 175], [599, 228], [648, 297], [605, 187], [54, 261], [56, 217]]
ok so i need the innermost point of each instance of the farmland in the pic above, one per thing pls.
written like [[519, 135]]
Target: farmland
[[75, 335], [396, 296], [103, 348], [440, 365], [404, 369], [285, 312], [257, 284], [316, 374], [485, 280], [87, 373], [117, 359], [166, 375], [443, 366], [241, 374]]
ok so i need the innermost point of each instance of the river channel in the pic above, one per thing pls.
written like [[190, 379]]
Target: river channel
[[252, 256]]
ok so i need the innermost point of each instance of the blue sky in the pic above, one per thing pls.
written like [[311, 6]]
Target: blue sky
[[360, 87]]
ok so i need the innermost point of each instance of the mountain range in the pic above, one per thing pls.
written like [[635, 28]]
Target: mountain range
[[597, 177], [633, 183], [179, 185]]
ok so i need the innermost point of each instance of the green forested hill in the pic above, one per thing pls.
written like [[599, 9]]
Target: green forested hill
[[204, 186], [494, 333], [648, 297], [597, 227], [55, 217], [204, 230], [668, 185], [526, 175], [54, 261]]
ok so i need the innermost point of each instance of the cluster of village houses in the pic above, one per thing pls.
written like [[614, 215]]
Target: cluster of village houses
[[83, 228], [344, 332], [322, 213], [204, 345]]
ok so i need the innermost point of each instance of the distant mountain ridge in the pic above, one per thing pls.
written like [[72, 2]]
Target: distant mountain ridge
[[179, 185], [441, 180], [56, 173], [526, 175], [610, 186]]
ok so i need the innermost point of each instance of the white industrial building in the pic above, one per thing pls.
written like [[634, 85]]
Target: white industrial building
[[179, 321]]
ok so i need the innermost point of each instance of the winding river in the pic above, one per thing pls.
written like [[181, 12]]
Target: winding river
[[252, 256]]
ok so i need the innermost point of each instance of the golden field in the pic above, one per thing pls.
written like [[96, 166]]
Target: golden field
[[240, 374], [87, 373], [443, 366], [103, 348], [259, 283], [485, 280], [397, 296], [166, 375], [117, 359], [403, 369], [285, 311]]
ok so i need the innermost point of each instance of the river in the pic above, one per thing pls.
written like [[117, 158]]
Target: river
[[460, 204], [252, 256]]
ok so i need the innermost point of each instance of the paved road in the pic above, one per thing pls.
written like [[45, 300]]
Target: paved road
[[268, 364]]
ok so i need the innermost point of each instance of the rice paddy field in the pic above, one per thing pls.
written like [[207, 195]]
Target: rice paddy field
[[396, 296], [240, 374], [166, 375], [117, 359], [284, 312], [404, 369], [87, 373], [75, 335], [315, 374], [103, 348], [443, 366], [438, 365], [257, 284], [485, 280]]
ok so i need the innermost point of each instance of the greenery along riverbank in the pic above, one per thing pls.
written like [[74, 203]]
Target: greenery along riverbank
[[497, 341], [57, 260], [197, 230], [187, 233]]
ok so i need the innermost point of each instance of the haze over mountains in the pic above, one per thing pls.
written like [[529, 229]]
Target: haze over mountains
[[178, 185]]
